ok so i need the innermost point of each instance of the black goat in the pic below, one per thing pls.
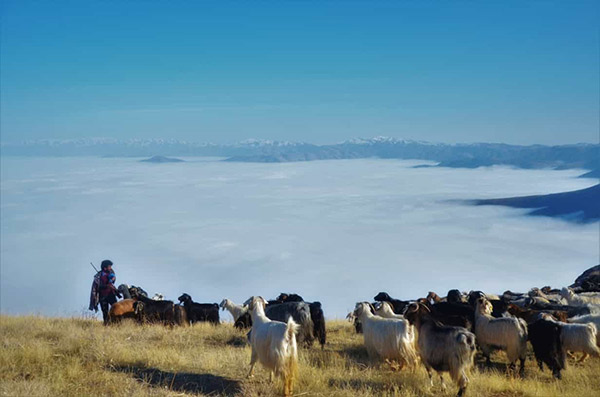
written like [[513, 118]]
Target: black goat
[[318, 318], [451, 314], [316, 314], [244, 321], [151, 311], [545, 338], [198, 312], [397, 304], [300, 312], [283, 297], [454, 296]]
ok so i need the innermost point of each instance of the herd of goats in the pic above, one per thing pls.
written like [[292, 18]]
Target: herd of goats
[[442, 333]]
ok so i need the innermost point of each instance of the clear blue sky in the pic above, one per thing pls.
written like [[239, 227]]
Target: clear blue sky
[[318, 71]]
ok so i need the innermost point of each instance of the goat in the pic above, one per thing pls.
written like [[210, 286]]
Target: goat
[[397, 304], [455, 314], [148, 310], [135, 291], [384, 309], [284, 297], [545, 338], [181, 316], [387, 338], [442, 348], [454, 296], [198, 312], [571, 311], [124, 290], [506, 333], [550, 298], [530, 315], [158, 297], [579, 299], [589, 318], [300, 312], [120, 310], [273, 344], [316, 314], [498, 306], [244, 321], [578, 338], [236, 311], [355, 321], [432, 298], [318, 318]]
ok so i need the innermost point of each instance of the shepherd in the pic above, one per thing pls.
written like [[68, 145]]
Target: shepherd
[[104, 291]]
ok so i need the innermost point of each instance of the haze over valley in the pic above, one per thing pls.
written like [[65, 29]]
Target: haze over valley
[[335, 230]]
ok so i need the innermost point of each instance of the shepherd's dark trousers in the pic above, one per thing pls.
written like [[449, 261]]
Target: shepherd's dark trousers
[[105, 304]]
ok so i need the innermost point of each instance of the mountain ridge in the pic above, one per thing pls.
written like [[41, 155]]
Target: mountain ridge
[[460, 155]]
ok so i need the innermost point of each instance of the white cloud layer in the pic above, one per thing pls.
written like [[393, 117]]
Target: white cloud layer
[[335, 231]]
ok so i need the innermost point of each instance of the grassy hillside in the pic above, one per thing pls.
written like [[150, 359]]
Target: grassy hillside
[[77, 357]]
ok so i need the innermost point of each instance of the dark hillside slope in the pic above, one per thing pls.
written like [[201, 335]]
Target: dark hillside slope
[[578, 206]]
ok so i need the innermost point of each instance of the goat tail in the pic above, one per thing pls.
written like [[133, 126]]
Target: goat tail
[[407, 348], [290, 366]]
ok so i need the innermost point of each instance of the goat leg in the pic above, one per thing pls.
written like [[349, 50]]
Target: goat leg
[[253, 360], [583, 357], [522, 369], [430, 376], [442, 381]]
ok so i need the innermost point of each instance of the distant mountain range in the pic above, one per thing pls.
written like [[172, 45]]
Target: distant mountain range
[[577, 206], [474, 155]]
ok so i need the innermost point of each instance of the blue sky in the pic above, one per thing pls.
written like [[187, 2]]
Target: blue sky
[[322, 71]]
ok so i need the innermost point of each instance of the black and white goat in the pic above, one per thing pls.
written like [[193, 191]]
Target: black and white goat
[[442, 348]]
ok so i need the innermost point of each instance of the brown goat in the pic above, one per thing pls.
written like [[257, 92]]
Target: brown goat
[[432, 297], [120, 310]]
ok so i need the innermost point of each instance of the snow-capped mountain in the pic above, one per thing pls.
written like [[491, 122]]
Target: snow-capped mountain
[[259, 150]]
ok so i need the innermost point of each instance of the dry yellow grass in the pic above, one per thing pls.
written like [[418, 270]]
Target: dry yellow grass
[[77, 357]]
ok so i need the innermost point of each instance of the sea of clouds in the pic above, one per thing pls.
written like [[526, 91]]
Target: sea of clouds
[[335, 231]]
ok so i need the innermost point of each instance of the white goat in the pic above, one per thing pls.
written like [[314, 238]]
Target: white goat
[[158, 297], [506, 333], [236, 311], [273, 344], [384, 309], [588, 319], [578, 299], [387, 338], [577, 338]]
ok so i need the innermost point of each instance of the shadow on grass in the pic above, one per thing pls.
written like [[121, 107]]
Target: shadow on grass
[[183, 381], [363, 384], [237, 341], [356, 355], [494, 366]]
